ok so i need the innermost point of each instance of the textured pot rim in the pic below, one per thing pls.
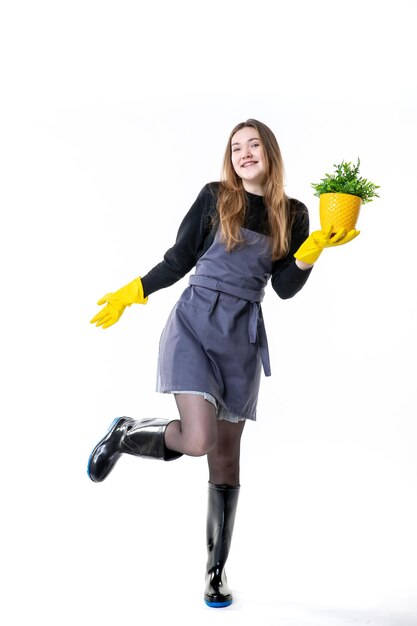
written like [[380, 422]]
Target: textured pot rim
[[340, 193]]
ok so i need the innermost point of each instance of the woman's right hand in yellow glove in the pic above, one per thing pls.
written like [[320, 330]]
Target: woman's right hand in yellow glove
[[314, 245], [117, 301]]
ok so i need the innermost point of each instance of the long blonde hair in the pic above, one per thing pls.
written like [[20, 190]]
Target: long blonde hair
[[231, 204]]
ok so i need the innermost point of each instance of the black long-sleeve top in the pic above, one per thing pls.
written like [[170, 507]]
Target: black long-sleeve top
[[198, 229]]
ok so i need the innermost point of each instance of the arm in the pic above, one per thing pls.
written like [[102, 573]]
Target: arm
[[178, 260], [302, 265], [189, 244], [289, 275]]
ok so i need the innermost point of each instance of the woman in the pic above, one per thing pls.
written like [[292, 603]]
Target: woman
[[238, 234]]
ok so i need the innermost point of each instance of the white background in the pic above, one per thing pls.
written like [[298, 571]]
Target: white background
[[113, 116]]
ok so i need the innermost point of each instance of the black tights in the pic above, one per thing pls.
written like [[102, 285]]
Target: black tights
[[224, 459], [199, 432]]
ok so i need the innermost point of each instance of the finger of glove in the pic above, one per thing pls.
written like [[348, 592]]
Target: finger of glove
[[116, 310], [105, 299], [110, 323], [351, 235], [322, 238], [338, 236], [348, 237], [99, 316], [105, 319], [326, 234]]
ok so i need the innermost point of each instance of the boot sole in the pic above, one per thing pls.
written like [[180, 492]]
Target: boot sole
[[218, 605], [112, 425]]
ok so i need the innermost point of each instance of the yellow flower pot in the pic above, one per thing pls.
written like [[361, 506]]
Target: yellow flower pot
[[340, 210]]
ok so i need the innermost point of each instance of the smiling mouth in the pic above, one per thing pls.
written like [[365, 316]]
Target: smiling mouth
[[248, 163]]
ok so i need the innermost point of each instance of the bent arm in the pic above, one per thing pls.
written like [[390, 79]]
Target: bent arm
[[289, 275]]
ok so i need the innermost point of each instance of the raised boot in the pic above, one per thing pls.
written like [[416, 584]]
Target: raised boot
[[222, 504], [141, 438]]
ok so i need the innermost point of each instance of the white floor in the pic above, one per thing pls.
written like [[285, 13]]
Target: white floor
[[131, 551]]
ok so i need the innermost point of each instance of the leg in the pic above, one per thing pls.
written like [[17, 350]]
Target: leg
[[224, 458], [143, 438], [196, 433], [223, 497]]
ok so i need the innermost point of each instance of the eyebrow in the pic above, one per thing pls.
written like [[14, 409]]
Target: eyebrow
[[236, 143]]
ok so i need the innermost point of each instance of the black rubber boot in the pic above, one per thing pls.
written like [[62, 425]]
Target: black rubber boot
[[126, 435], [222, 504]]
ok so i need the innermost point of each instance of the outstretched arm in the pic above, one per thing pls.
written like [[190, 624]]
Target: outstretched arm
[[191, 238], [191, 241]]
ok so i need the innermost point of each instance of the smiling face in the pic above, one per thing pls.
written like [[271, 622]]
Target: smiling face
[[248, 159]]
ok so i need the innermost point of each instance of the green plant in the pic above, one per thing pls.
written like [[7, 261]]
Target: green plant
[[346, 179]]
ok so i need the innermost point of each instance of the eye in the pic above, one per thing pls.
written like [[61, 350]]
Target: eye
[[255, 145], [235, 149]]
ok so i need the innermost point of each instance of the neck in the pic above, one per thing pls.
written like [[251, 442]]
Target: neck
[[257, 188]]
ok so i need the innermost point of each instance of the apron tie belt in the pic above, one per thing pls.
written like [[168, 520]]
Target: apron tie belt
[[256, 329], [257, 334]]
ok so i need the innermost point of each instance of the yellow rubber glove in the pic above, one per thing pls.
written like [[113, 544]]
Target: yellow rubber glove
[[314, 245], [117, 302]]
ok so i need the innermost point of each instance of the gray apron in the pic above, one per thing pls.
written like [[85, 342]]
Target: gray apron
[[214, 340]]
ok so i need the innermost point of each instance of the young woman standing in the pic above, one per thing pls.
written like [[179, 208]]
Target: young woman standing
[[240, 233]]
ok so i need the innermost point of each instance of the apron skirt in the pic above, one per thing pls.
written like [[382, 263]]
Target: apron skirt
[[214, 341]]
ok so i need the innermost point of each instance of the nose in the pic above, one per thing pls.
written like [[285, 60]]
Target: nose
[[247, 152]]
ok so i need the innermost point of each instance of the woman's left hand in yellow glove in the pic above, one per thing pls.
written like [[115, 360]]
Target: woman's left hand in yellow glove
[[117, 301], [314, 245]]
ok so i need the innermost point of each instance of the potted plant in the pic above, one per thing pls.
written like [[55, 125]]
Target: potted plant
[[341, 195]]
